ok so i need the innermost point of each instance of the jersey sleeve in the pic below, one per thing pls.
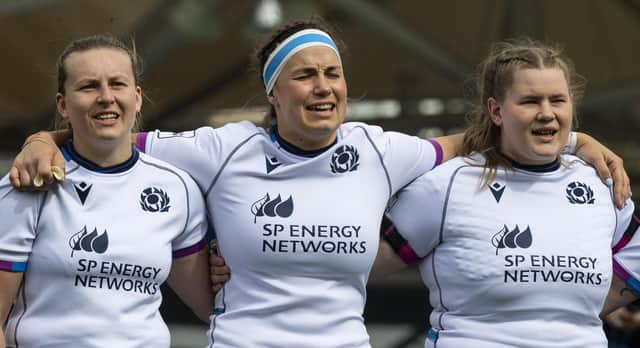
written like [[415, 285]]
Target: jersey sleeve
[[197, 151], [408, 157], [417, 214], [397, 242], [626, 248], [19, 213], [192, 238]]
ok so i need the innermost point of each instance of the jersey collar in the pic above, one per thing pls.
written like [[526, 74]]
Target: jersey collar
[[536, 168], [276, 138], [70, 153]]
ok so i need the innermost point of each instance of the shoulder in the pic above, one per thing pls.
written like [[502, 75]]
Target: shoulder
[[11, 196], [454, 165], [242, 128], [163, 170]]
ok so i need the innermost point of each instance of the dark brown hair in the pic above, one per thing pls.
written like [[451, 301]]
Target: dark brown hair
[[265, 48]]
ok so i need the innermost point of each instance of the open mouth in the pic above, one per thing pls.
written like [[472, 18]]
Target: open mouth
[[106, 116], [544, 132], [321, 107]]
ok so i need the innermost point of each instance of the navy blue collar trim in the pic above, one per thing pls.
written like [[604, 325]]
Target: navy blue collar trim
[[536, 168], [275, 137], [117, 168]]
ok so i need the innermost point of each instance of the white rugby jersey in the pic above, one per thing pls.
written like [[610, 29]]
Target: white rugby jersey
[[299, 233], [95, 250], [523, 263]]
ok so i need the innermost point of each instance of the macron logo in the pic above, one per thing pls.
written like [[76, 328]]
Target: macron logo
[[272, 163]]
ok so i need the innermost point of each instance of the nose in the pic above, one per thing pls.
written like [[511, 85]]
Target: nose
[[322, 86], [546, 112], [106, 95]]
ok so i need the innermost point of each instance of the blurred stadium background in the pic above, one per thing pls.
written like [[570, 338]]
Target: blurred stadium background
[[406, 65]]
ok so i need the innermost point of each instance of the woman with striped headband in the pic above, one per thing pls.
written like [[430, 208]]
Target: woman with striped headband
[[296, 206]]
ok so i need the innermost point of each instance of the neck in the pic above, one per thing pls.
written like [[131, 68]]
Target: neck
[[309, 151], [534, 167], [103, 152], [308, 143]]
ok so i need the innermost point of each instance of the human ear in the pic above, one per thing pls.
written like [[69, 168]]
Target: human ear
[[138, 99], [61, 106], [493, 107], [273, 100]]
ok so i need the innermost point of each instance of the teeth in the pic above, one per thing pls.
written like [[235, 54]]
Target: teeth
[[106, 116], [544, 132], [320, 107]]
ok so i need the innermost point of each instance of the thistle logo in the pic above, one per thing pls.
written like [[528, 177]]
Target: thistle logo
[[266, 206], [345, 159], [512, 238], [153, 199], [89, 242], [579, 193]]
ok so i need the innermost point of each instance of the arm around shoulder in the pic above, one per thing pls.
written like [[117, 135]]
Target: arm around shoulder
[[9, 284], [189, 279]]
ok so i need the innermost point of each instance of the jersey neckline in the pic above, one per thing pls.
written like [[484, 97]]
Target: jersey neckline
[[285, 145], [70, 153], [535, 168]]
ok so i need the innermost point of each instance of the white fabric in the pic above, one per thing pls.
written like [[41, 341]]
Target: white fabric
[[543, 288], [105, 292], [289, 288]]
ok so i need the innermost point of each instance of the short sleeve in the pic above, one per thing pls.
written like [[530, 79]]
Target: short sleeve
[[408, 157], [192, 239], [197, 151], [626, 250], [18, 213], [417, 213]]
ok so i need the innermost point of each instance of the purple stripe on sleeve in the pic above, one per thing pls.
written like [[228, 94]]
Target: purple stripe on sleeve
[[408, 255], [438, 148], [141, 141], [12, 266], [189, 250], [621, 243], [619, 271]]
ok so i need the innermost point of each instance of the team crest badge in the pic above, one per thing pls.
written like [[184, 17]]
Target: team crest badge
[[579, 193], [153, 200], [345, 159]]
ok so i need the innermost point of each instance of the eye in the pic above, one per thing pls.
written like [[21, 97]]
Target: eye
[[333, 75], [118, 84], [87, 86], [302, 77]]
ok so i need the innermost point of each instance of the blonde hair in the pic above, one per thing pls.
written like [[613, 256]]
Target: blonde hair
[[494, 77]]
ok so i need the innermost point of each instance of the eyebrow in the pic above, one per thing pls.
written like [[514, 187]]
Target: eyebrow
[[313, 69], [538, 96]]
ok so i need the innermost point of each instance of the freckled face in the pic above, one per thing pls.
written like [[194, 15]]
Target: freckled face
[[310, 98]]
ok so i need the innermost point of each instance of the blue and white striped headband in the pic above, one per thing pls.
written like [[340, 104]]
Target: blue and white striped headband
[[294, 43]]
